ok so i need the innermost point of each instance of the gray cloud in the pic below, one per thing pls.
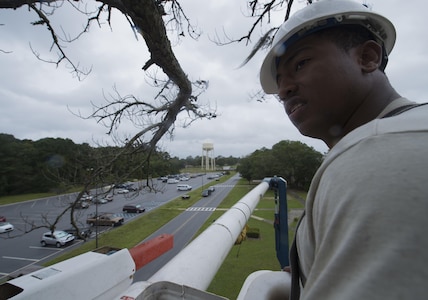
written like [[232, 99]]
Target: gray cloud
[[39, 99]]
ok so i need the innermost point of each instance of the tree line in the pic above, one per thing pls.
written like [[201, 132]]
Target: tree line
[[56, 165], [292, 160]]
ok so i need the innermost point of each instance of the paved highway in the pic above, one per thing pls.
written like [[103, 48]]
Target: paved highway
[[185, 226], [21, 251]]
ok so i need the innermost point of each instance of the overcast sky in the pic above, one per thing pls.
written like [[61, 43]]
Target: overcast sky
[[40, 100]]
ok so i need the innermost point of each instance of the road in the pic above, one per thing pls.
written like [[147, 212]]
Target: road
[[19, 252], [185, 226]]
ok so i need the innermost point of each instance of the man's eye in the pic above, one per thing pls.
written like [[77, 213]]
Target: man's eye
[[301, 63]]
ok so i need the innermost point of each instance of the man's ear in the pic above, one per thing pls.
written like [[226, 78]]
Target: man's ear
[[370, 56]]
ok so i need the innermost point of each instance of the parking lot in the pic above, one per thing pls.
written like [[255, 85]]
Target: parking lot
[[22, 250]]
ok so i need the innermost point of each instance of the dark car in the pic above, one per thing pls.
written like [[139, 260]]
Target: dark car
[[99, 201], [126, 186], [84, 232], [120, 186], [131, 187], [205, 193], [81, 204], [133, 208]]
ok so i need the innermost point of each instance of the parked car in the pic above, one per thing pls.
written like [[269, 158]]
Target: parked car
[[133, 208], [205, 193], [123, 191], [58, 238], [84, 232], [86, 197], [2, 219], [120, 186], [99, 201], [109, 198], [104, 219], [126, 186], [81, 204], [172, 180], [131, 187], [5, 227]]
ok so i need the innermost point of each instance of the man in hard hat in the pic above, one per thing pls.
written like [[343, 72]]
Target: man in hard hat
[[363, 234]]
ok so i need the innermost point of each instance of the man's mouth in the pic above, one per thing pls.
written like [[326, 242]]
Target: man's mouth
[[294, 108]]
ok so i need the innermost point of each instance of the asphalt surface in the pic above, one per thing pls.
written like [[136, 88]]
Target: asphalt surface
[[19, 252], [185, 226]]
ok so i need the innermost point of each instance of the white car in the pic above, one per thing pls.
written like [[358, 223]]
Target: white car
[[184, 187], [58, 238], [5, 227], [86, 197], [123, 191]]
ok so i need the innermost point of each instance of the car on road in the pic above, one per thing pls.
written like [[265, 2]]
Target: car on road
[[123, 191], [133, 208], [5, 227], [211, 189], [2, 219], [184, 187], [104, 219], [84, 232], [172, 180], [205, 193], [58, 238]]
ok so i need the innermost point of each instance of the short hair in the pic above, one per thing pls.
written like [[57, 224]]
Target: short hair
[[347, 37]]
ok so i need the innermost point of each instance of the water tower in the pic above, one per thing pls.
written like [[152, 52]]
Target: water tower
[[208, 161]]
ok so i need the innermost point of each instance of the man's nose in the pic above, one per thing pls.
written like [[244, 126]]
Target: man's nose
[[286, 89]]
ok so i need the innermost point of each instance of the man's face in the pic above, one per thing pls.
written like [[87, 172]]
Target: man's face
[[321, 87]]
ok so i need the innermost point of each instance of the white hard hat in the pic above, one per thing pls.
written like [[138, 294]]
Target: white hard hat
[[319, 15]]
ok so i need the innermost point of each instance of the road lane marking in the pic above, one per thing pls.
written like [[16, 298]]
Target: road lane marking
[[46, 248], [201, 208], [20, 258]]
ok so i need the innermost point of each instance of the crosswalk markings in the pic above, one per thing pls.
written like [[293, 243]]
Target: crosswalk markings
[[195, 208]]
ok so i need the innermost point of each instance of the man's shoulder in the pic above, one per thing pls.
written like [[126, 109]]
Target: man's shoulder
[[413, 118]]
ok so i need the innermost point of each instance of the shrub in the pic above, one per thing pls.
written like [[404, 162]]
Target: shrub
[[253, 233]]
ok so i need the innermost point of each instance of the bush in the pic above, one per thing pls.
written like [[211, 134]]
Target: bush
[[253, 233]]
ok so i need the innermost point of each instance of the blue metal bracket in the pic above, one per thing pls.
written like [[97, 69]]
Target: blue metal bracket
[[279, 186]]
